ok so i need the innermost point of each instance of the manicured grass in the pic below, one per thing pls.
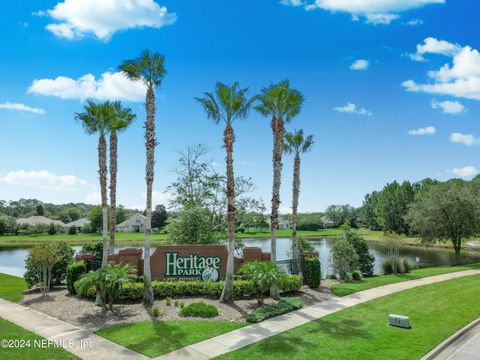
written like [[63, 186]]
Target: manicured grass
[[11, 331], [160, 337], [138, 238], [375, 281], [361, 332], [12, 287]]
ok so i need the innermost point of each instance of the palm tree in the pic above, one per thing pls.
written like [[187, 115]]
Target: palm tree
[[149, 69], [122, 119], [296, 143], [225, 105], [95, 120], [282, 104]]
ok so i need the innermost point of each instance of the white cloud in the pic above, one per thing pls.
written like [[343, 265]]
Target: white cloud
[[380, 19], [352, 109], [76, 18], [21, 107], [158, 197], [429, 130], [466, 171], [44, 179], [292, 2], [465, 139], [449, 107], [460, 79], [433, 46], [374, 11], [113, 86], [360, 64], [414, 22]]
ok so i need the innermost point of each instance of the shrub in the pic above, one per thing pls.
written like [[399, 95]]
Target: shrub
[[343, 258], [107, 282], [263, 275], [156, 311], [59, 270], [199, 309], [182, 305], [95, 249], [72, 230], [86, 229], [208, 289], [395, 266], [366, 260], [168, 301], [176, 303], [357, 275], [312, 272], [74, 271], [304, 246], [283, 306]]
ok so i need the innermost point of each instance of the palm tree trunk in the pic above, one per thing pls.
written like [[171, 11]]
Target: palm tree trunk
[[150, 143], [113, 188], [278, 135], [102, 173], [296, 193], [229, 139]]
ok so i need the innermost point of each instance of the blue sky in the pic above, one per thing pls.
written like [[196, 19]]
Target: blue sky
[[392, 91]]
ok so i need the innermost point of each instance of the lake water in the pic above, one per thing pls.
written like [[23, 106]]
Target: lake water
[[12, 259]]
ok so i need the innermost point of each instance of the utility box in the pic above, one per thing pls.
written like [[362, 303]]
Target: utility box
[[399, 321]]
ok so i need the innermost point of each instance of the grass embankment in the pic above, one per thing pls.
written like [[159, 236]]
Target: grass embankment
[[361, 332], [138, 238], [12, 287], [11, 331], [375, 281], [157, 338]]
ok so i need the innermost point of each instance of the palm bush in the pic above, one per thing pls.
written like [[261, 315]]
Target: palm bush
[[263, 275], [107, 282]]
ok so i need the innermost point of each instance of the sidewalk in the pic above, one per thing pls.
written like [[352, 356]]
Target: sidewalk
[[245, 336], [58, 330]]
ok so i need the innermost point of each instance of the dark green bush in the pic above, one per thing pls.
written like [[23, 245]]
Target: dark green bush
[[366, 259], [74, 271], [283, 306], [95, 249], [208, 289], [199, 309], [312, 272], [357, 275], [72, 230], [396, 266]]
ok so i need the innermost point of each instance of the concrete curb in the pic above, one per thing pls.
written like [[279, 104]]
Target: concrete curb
[[449, 341]]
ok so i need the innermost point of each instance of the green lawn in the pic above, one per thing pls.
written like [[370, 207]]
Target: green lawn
[[12, 287], [11, 331], [160, 337], [375, 281], [137, 238], [361, 332]]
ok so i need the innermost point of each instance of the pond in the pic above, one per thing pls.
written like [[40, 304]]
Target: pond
[[12, 259]]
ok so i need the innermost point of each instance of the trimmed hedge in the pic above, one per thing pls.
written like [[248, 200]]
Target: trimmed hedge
[[74, 271], [199, 309], [313, 272], [207, 289], [283, 306]]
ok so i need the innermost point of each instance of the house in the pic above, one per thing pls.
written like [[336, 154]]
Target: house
[[136, 223], [326, 222], [38, 220], [283, 223], [77, 224]]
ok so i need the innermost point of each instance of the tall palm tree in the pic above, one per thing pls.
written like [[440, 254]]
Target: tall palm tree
[[149, 69], [95, 120], [227, 104], [296, 143], [122, 119], [282, 104]]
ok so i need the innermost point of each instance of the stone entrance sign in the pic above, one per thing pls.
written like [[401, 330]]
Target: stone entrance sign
[[189, 262]]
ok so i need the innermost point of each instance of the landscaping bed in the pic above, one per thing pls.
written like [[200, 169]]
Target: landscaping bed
[[84, 313]]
